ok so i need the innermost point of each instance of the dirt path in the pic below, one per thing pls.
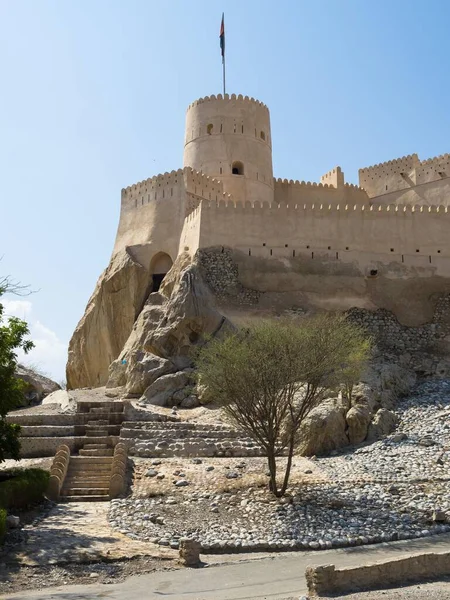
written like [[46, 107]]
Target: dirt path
[[76, 532]]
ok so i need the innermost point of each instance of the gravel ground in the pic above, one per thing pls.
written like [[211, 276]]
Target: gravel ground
[[396, 488], [439, 590]]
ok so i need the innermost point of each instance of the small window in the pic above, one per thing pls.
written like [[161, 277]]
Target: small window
[[221, 170], [373, 272], [209, 128], [262, 136], [237, 168], [417, 250], [392, 249]]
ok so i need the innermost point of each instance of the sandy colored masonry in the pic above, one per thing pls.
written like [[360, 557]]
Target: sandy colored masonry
[[226, 195], [327, 580]]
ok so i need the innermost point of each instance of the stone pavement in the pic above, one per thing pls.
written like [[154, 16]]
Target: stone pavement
[[76, 532]]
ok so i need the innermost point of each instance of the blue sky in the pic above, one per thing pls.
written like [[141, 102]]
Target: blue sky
[[94, 94]]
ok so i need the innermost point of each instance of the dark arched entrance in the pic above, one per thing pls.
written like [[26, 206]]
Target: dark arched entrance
[[159, 267]]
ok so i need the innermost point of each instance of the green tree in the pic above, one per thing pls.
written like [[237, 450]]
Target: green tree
[[269, 376], [13, 337]]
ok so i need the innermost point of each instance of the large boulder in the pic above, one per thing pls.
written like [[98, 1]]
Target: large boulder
[[358, 419], [37, 386], [383, 423], [107, 322], [161, 391], [324, 429]]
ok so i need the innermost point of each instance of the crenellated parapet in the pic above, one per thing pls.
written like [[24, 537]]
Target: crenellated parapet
[[403, 174], [335, 177], [226, 98]]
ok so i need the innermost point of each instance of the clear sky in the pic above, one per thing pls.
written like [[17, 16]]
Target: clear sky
[[93, 98]]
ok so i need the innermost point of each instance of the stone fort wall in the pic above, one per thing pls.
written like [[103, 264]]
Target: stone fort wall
[[408, 180], [404, 235]]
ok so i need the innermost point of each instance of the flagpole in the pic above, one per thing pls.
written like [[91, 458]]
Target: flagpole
[[223, 65]]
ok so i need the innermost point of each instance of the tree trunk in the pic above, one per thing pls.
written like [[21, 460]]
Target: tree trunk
[[273, 471], [288, 466]]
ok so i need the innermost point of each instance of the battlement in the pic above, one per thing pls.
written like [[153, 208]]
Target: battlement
[[405, 164], [335, 177], [394, 209], [297, 183], [226, 98], [441, 159], [403, 174]]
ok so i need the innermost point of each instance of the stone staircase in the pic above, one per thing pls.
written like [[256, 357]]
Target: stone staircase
[[166, 439], [88, 474]]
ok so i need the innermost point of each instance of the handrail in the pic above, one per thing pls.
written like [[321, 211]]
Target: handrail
[[58, 472], [117, 482]]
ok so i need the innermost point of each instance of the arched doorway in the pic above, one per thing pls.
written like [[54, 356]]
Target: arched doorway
[[160, 265]]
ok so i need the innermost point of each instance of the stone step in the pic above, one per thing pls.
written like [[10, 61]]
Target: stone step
[[81, 491], [87, 498], [97, 423], [104, 405], [105, 411], [78, 484], [94, 446], [74, 466], [83, 460], [96, 432], [96, 452]]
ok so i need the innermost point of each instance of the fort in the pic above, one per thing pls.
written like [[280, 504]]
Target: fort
[[397, 219], [264, 245]]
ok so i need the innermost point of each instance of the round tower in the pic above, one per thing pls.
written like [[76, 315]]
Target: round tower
[[228, 137]]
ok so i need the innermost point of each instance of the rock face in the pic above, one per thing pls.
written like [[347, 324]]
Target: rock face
[[109, 317], [156, 357], [38, 386], [334, 424]]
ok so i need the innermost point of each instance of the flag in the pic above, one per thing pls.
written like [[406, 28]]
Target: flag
[[222, 37]]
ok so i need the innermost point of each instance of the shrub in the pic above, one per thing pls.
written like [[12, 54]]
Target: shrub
[[270, 375], [24, 487], [2, 523]]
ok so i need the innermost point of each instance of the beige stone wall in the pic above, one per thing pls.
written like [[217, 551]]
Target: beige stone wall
[[295, 193], [408, 180], [367, 235]]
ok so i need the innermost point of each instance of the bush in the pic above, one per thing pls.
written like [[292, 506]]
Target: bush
[[2, 523], [24, 487]]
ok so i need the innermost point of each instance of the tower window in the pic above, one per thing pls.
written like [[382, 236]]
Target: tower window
[[209, 128], [237, 168], [262, 135]]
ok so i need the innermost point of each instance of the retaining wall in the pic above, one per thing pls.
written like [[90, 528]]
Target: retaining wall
[[327, 580]]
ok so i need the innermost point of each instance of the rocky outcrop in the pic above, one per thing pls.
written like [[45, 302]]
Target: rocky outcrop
[[37, 386], [106, 324], [334, 424], [161, 344]]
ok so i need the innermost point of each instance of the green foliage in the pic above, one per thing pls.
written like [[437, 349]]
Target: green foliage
[[25, 487], [13, 334], [268, 377], [2, 523]]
